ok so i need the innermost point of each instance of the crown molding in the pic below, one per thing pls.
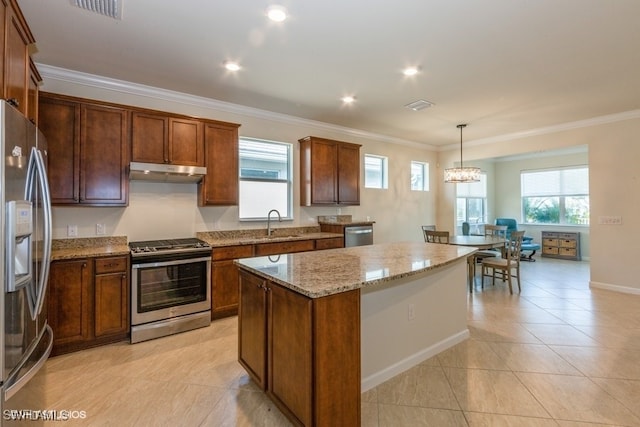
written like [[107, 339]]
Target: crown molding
[[49, 72], [594, 121]]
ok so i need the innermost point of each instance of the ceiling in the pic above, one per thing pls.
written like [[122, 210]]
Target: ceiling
[[502, 66]]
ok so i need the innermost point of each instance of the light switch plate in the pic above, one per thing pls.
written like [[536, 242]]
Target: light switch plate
[[610, 220], [101, 229], [72, 231]]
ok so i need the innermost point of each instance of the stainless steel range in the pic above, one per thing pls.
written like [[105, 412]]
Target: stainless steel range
[[170, 289]]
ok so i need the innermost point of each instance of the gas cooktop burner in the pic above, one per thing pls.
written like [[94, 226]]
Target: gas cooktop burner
[[168, 245]]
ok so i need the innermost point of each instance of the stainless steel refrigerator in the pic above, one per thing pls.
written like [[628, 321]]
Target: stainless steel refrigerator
[[25, 212]]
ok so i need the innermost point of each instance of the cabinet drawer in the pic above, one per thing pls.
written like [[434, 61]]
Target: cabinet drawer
[[569, 252], [111, 265], [284, 247], [549, 235], [567, 243], [337, 242], [571, 236], [232, 252], [551, 250], [550, 242]]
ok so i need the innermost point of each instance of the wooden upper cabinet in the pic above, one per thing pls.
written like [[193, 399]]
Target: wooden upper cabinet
[[32, 93], [59, 121], [104, 161], [329, 172], [160, 138], [220, 185], [17, 38], [186, 146], [88, 146], [149, 138]]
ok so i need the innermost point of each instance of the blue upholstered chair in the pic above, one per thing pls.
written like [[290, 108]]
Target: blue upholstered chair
[[512, 225], [527, 242]]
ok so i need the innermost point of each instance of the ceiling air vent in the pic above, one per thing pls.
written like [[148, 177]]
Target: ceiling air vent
[[110, 8], [418, 105]]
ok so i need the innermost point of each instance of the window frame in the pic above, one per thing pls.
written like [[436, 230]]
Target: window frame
[[288, 181], [562, 196], [469, 198], [384, 172], [425, 175]]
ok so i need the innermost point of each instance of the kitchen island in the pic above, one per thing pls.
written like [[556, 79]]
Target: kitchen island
[[316, 329]]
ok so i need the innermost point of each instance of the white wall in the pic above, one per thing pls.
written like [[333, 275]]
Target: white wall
[[613, 147], [508, 199], [158, 210], [613, 156]]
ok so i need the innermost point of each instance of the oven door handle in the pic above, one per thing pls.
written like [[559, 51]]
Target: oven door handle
[[166, 263]]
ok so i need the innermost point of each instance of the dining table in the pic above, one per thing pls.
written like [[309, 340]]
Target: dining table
[[477, 241]]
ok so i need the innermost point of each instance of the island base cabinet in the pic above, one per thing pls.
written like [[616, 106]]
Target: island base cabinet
[[304, 352]]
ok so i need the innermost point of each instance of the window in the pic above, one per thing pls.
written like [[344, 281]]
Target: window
[[556, 196], [471, 203], [265, 178], [419, 176], [375, 171]]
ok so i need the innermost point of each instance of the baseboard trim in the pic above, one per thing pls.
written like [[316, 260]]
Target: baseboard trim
[[615, 288], [397, 368]]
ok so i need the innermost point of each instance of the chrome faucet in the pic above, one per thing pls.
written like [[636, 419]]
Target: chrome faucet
[[269, 220]]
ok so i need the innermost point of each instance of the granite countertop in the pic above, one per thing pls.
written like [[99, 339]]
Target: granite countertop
[[255, 236], [322, 273], [342, 220], [118, 245], [88, 247]]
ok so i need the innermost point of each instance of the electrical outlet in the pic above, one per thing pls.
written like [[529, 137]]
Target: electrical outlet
[[72, 231], [411, 311], [101, 229], [610, 220]]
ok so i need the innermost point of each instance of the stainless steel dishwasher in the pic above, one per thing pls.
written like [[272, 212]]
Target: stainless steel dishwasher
[[358, 235]]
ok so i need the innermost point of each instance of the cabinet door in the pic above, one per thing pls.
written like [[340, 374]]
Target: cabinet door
[[70, 302], [224, 292], [149, 138], [290, 352], [252, 328], [59, 121], [104, 148], [111, 304], [16, 56], [220, 185], [324, 176], [186, 146], [32, 93], [348, 174]]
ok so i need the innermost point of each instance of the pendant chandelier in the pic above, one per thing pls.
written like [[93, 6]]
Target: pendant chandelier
[[461, 174]]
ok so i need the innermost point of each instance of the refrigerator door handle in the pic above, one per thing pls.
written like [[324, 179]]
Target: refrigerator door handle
[[47, 234]]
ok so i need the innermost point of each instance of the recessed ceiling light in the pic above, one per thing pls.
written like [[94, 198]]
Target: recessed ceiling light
[[410, 71], [277, 13], [231, 66], [348, 99]]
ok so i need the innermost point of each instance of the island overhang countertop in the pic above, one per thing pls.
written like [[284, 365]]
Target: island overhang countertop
[[322, 273]]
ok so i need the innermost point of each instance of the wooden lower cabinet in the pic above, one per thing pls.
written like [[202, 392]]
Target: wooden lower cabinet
[[303, 352], [224, 273], [224, 279], [69, 302], [111, 297], [88, 302]]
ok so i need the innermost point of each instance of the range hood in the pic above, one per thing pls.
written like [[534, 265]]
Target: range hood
[[160, 172]]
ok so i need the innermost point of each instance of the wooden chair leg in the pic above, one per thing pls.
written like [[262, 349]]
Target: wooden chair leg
[[509, 281]]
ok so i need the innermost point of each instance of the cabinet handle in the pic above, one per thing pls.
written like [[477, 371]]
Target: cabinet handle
[[124, 276], [84, 265], [14, 102]]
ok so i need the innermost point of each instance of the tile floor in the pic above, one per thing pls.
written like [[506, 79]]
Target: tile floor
[[558, 354]]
